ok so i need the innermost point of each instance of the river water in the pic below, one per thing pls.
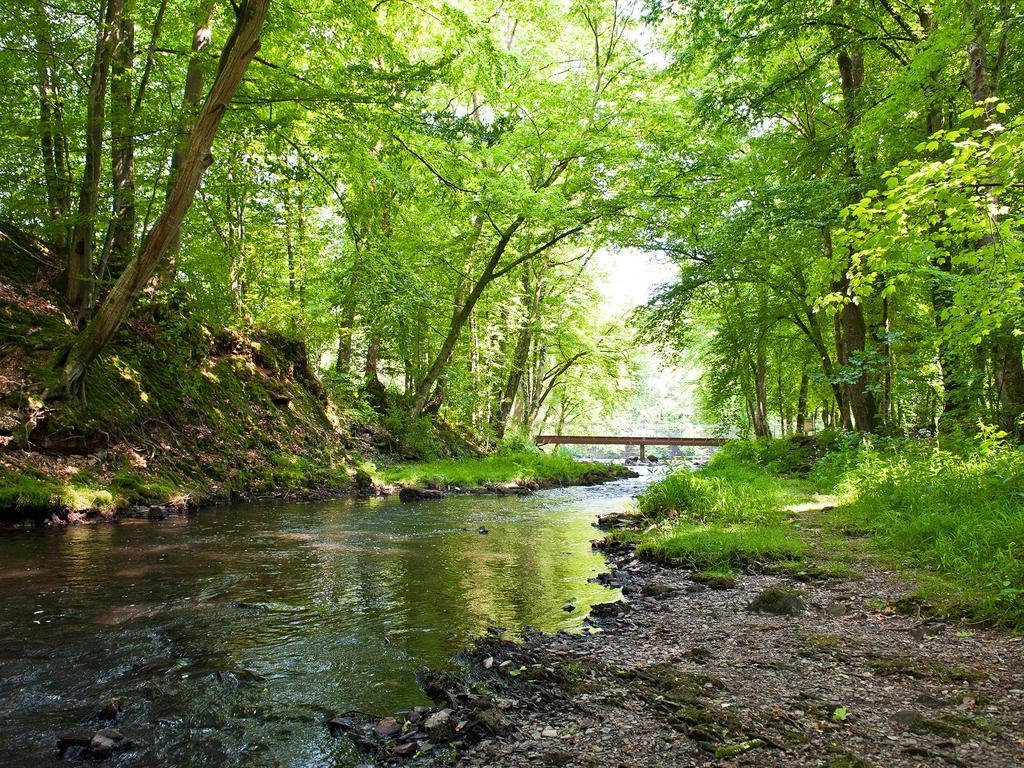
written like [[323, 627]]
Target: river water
[[230, 634]]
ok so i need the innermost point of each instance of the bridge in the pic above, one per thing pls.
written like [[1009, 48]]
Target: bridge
[[641, 440]]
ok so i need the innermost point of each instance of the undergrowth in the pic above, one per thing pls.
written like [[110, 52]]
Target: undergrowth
[[955, 514], [521, 466], [726, 516], [952, 516]]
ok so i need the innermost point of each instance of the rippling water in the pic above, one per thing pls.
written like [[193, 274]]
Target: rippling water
[[229, 634]]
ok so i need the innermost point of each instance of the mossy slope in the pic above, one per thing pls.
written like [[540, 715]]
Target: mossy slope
[[175, 412]]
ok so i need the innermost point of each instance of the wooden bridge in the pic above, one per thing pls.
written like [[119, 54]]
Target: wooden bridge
[[641, 440]]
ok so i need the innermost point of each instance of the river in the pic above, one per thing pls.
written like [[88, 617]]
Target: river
[[231, 633]]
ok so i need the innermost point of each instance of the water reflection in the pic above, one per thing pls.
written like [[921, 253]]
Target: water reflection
[[231, 634]]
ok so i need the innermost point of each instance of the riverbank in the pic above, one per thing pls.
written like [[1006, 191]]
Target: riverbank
[[760, 628], [690, 673], [802, 670], [504, 472], [949, 517]]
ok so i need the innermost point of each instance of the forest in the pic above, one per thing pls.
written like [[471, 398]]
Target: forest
[[338, 264], [416, 194]]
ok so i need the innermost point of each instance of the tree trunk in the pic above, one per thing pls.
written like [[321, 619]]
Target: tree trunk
[[122, 141], [348, 314], [53, 141], [191, 102], [862, 400], [238, 51], [461, 315], [517, 365], [759, 405], [801, 403], [1009, 378], [83, 238]]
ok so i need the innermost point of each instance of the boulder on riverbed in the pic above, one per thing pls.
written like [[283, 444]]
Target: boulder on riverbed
[[440, 726], [411, 493], [779, 601], [97, 745]]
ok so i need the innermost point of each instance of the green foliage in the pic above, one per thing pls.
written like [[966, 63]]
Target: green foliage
[[958, 515], [500, 469], [780, 457], [725, 516]]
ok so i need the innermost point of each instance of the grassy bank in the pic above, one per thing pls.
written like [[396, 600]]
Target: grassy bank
[[522, 467], [726, 516], [951, 517], [954, 516]]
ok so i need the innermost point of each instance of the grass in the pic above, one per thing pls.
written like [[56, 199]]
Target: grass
[[951, 517], [723, 549], [955, 516], [728, 516], [497, 469]]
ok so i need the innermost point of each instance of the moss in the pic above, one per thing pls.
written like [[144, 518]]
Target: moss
[[27, 490], [909, 667], [850, 760], [821, 643], [732, 750], [664, 682]]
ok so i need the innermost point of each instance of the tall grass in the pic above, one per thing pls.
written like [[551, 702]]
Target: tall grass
[[726, 516], [957, 515]]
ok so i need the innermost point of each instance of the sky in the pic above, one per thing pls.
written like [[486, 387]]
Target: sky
[[630, 277]]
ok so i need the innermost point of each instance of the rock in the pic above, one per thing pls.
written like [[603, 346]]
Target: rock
[[699, 654], [656, 590], [72, 739], [105, 742], [557, 757], [512, 489], [98, 744], [779, 601], [568, 607], [927, 700], [505, 666], [608, 610], [111, 710], [280, 399], [715, 581], [407, 749], [906, 718], [837, 609], [488, 662], [387, 728], [410, 493], [157, 512], [440, 726], [491, 720], [549, 733]]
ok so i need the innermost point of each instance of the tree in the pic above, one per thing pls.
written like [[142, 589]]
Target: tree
[[239, 49]]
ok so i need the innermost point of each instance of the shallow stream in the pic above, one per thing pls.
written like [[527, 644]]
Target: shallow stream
[[231, 633]]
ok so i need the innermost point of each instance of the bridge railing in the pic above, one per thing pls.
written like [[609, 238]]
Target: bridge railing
[[639, 440]]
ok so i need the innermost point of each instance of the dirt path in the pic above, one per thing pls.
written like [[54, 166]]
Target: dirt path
[[688, 676]]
